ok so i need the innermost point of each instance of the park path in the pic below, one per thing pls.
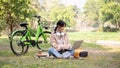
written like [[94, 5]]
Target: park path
[[108, 43], [105, 42]]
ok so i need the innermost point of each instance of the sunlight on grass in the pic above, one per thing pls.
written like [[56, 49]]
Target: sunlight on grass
[[94, 36], [98, 56]]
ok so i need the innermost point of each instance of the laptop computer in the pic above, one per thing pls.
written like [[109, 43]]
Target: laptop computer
[[77, 44]]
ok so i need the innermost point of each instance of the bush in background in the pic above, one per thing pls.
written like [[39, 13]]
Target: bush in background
[[109, 29]]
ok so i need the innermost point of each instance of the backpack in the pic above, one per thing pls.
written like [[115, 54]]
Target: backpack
[[80, 53]]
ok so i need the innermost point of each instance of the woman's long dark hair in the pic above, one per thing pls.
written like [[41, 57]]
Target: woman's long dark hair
[[59, 23]]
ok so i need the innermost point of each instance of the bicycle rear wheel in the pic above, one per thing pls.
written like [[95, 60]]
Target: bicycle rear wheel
[[18, 47], [44, 45]]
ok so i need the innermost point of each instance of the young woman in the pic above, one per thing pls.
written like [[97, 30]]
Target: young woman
[[61, 48]]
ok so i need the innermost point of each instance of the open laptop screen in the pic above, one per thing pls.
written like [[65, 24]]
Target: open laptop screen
[[77, 44]]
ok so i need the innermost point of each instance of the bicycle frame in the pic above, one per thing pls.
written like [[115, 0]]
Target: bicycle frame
[[28, 35], [20, 40]]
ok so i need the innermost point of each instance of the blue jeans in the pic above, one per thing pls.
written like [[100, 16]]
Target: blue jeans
[[55, 53]]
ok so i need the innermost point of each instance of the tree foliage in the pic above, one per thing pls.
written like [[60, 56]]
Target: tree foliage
[[111, 12], [102, 11], [92, 8], [64, 13], [14, 11], [55, 11]]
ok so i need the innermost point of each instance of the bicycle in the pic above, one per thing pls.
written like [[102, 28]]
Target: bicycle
[[20, 40]]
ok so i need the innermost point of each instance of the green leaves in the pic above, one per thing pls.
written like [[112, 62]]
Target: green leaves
[[92, 8], [102, 11], [65, 13], [15, 11], [111, 12]]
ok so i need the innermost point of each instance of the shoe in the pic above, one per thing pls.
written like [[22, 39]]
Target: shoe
[[61, 57], [50, 56]]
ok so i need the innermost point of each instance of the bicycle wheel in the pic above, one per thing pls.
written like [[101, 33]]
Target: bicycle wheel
[[43, 45], [18, 47], [25, 47]]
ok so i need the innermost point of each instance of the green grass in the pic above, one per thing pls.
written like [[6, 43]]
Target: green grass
[[98, 56], [94, 36]]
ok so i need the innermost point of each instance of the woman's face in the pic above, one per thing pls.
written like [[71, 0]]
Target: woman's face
[[60, 28]]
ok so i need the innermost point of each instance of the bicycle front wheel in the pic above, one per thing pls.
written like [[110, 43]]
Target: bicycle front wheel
[[42, 43], [18, 47]]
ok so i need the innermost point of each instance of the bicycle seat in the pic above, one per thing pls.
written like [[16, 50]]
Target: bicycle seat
[[24, 24]]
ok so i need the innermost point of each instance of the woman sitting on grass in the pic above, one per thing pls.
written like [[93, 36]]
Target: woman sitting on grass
[[61, 48]]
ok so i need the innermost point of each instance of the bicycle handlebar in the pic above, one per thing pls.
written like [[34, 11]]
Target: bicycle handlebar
[[37, 16]]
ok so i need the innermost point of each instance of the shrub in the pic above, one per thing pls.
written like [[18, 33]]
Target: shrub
[[109, 29]]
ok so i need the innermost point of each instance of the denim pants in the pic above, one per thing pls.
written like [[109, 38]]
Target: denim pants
[[55, 53]]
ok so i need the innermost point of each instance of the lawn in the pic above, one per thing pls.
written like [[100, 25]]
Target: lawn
[[94, 36], [99, 56]]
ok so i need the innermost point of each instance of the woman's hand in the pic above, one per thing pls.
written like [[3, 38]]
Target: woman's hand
[[65, 47], [58, 48]]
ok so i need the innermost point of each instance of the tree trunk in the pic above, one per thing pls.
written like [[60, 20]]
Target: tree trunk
[[10, 23], [118, 24], [11, 28]]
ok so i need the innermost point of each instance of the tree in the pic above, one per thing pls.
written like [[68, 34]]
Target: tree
[[54, 11], [14, 11], [65, 13], [92, 8], [111, 12]]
